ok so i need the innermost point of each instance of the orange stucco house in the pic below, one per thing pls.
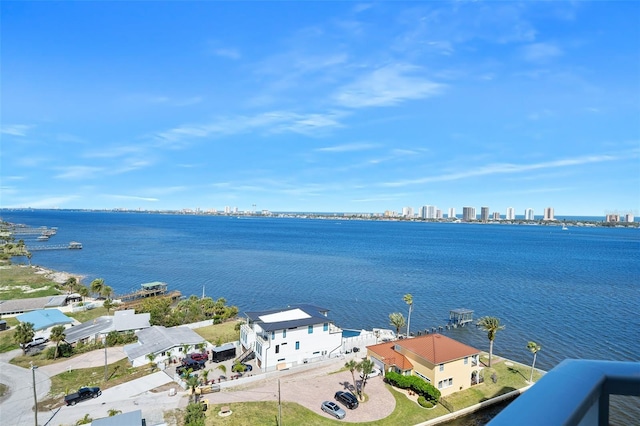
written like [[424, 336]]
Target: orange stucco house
[[447, 364]]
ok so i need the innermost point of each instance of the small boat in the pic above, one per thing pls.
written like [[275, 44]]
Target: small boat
[[43, 237], [74, 245], [564, 228]]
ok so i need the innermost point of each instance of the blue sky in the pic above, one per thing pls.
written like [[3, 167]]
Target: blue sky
[[321, 106]]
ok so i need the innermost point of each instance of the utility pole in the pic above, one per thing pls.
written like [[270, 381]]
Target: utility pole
[[35, 396], [279, 406], [105, 359]]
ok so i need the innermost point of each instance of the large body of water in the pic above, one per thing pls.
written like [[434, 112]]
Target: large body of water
[[576, 292]]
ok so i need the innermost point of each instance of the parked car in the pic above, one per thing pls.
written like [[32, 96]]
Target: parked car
[[348, 399], [81, 395], [247, 367], [35, 342], [189, 363], [198, 356], [375, 372], [333, 409]]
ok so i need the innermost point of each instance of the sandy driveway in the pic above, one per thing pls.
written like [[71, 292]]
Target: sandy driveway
[[310, 387]]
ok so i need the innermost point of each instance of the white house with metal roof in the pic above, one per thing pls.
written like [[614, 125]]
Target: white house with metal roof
[[164, 343], [284, 338]]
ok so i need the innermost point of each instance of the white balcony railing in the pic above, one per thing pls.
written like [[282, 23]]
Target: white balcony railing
[[575, 392]]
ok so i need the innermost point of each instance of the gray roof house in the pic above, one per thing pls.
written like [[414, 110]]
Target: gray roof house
[[98, 328], [132, 418], [163, 342]]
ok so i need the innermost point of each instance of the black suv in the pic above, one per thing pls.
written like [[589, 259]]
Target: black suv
[[348, 399], [189, 363]]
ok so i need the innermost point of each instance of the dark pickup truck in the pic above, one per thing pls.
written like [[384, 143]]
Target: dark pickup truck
[[81, 395], [189, 363]]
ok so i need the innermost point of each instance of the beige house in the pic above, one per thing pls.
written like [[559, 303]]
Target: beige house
[[447, 364]]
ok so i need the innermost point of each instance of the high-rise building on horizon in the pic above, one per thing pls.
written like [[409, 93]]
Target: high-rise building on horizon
[[511, 213], [548, 214], [628, 217], [407, 212], [484, 214], [495, 216], [439, 214], [528, 214], [468, 213], [428, 212], [452, 212]]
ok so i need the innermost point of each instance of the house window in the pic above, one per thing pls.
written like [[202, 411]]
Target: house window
[[310, 329], [325, 326], [284, 333], [441, 367], [466, 360], [445, 383], [277, 349], [273, 335], [297, 345]]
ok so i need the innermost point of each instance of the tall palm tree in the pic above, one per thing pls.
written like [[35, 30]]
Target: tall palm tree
[[491, 325], [57, 335], [408, 299], [70, 284], [352, 366], [365, 367], [151, 357], [534, 348], [397, 320], [83, 291], [106, 292], [97, 285]]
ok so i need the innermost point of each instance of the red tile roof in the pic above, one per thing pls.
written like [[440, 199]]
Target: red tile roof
[[435, 348]]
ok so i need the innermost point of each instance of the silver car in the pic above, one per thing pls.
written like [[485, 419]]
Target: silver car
[[333, 409]]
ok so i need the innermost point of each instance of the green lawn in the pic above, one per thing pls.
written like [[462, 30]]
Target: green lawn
[[84, 316], [119, 372], [509, 378], [224, 332], [16, 278]]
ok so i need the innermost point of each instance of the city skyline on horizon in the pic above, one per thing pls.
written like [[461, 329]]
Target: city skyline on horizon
[[321, 106]]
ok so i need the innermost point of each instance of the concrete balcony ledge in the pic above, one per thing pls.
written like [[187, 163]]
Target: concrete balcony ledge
[[576, 392]]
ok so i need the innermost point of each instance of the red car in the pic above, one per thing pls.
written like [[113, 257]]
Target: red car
[[197, 356]]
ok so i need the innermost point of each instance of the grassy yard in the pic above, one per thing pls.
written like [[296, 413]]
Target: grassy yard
[[84, 316], [223, 333], [20, 281], [509, 378], [6, 337], [118, 373]]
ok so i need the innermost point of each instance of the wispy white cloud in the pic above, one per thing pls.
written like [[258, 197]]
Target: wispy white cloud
[[131, 197], [270, 122], [507, 168], [44, 203], [79, 172], [541, 52], [350, 147], [227, 53], [15, 129], [389, 85]]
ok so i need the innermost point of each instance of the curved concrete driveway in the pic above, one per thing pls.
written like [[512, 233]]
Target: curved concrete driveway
[[17, 407]]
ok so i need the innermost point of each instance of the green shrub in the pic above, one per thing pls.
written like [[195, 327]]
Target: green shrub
[[414, 383], [65, 350], [425, 402]]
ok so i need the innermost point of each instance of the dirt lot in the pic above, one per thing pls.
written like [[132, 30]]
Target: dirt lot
[[309, 388]]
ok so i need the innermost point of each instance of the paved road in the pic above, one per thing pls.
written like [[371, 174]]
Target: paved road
[[17, 407]]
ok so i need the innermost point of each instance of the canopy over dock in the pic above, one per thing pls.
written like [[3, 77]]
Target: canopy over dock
[[460, 317]]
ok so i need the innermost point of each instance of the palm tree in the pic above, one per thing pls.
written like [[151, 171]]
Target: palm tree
[[106, 292], [113, 412], [57, 335], [70, 284], [352, 366], [151, 357], [205, 375], [23, 334], [397, 320], [408, 299], [534, 348], [365, 367], [491, 325], [97, 285], [83, 291]]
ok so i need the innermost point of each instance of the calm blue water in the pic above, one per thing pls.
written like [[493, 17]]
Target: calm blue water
[[575, 292]]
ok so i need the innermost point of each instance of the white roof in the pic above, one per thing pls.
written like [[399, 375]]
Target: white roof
[[291, 315]]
